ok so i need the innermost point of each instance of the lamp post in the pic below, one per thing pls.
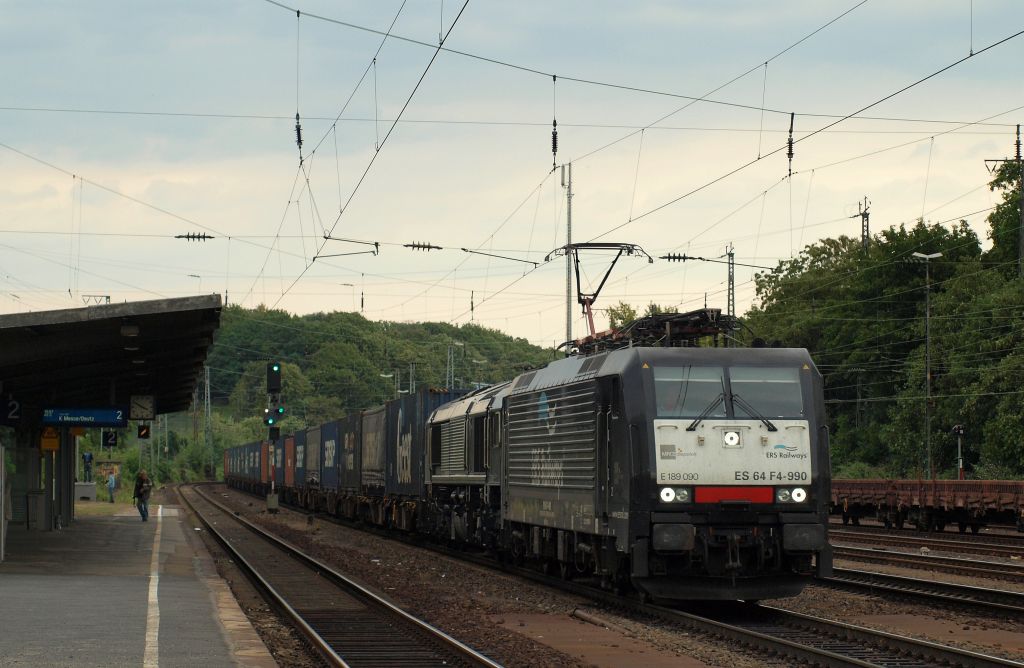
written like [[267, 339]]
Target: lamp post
[[927, 357], [959, 431]]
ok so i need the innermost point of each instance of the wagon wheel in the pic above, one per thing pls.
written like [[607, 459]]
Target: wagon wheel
[[975, 528], [566, 570], [962, 527]]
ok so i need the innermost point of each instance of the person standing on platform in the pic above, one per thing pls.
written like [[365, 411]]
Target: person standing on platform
[[111, 484], [143, 485], [87, 459]]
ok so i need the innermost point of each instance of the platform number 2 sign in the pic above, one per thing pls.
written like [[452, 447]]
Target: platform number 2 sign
[[11, 414]]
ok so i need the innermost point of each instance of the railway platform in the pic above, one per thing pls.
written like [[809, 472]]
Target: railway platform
[[115, 591]]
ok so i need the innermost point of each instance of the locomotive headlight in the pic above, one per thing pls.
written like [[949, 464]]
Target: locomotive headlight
[[668, 495], [799, 495], [682, 494], [732, 438], [783, 495]]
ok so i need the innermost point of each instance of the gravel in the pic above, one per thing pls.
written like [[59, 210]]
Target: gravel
[[470, 602]]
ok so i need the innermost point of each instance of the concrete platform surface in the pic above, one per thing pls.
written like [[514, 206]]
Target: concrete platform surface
[[116, 591]]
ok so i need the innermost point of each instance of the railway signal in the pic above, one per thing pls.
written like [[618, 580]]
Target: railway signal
[[272, 416], [273, 377]]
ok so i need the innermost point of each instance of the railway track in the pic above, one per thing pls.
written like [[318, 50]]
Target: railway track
[[801, 638], [773, 631], [990, 601], [345, 623], [994, 535], [962, 545], [985, 569]]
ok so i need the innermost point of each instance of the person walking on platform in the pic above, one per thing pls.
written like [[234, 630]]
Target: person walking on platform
[[87, 460], [143, 485], [111, 484]]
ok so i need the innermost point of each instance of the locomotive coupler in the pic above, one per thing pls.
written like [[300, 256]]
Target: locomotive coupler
[[732, 562]]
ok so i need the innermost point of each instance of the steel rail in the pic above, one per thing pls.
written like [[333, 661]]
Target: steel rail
[[346, 585], [812, 647], [997, 601], [986, 569], [975, 546]]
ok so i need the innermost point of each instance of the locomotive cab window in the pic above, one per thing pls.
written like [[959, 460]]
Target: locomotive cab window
[[771, 391], [688, 391]]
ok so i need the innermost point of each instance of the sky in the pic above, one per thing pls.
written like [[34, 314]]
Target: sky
[[124, 125]]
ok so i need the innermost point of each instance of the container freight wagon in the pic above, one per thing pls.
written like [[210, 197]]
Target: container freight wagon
[[264, 467], [289, 465], [931, 505], [299, 483], [405, 448], [279, 464], [350, 431], [310, 489], [372, 460], [328, 497]]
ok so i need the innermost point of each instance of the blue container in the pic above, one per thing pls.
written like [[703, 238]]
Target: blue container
[[350, 439], [279, 463], [406, 441], [329, 456], [371, 452], [300, 459]]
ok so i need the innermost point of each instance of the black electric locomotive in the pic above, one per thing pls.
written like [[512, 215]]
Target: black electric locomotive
[[682, 472]]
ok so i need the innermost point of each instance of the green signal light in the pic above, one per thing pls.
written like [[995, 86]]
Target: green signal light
[[280, 410]]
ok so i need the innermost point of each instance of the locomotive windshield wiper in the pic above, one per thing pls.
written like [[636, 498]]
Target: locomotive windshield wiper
[[707, 411], [736, 399]]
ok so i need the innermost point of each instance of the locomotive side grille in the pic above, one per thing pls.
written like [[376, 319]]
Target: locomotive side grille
[[453, 446], [552, 438]]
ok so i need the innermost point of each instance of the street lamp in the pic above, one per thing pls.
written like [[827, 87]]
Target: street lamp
[[927, 357], [390, 375]]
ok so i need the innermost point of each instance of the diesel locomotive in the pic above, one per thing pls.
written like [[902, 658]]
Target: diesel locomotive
[[679, 471]]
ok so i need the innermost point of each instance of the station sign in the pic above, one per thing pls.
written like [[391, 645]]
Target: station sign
[[85, 417], [49, 440]]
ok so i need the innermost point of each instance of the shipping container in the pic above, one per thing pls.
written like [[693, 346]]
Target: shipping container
[[313, 457], [289, 462], [279, 463], [252, 463], [329, 434], [300, 459], [265, 463], [372, 455], [350, 437], [406, 439], [272, 468]]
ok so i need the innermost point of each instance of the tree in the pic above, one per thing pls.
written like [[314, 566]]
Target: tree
[[1004, 222], [620, 315]]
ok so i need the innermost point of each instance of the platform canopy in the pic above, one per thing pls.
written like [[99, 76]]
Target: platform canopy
[[104, 355]]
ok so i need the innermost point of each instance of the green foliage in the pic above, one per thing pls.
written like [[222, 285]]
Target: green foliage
[[620, 314], [862, 316]]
